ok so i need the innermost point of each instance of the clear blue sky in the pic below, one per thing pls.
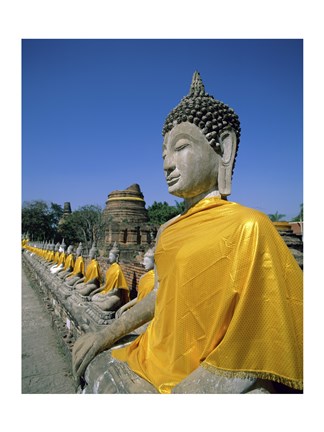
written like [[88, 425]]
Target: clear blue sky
[[93, 112]]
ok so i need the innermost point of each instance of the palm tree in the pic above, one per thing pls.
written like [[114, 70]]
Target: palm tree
[[276, 217], [300, 216]]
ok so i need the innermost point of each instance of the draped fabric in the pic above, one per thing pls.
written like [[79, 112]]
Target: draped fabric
[[229, 299], [61, 259], [115, 279], [92, 271], [145, 285], [69, 262], [78, 266], [56, 257]]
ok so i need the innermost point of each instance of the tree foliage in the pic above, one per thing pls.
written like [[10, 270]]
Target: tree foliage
[[276, 217], [161, 212], [85, 225], [40, 220], [300, 216]]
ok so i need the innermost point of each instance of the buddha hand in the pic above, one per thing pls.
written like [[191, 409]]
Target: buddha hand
[[86, 348]]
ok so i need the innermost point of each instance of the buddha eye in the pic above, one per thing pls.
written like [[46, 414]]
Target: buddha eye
[[181, 147]]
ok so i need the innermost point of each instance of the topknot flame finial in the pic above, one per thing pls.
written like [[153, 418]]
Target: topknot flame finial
[[197, 87]]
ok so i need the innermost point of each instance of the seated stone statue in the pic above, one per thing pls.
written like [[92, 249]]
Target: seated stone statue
[[145, 284], [115, 292], [68, 265], [78, 269], [92, 277], [61, 261], [226, 310], [56, 256], [50, 257]]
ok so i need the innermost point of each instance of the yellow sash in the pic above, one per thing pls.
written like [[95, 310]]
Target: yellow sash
[[115, 279], [145, 285], [229, 299], [69, 262], [92, 271], [78, 266]]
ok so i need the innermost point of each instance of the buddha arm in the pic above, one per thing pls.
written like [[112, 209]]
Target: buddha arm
[[127, 306], [91, 344]]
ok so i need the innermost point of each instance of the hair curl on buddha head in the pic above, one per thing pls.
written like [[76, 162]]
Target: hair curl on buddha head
[[210, 115]]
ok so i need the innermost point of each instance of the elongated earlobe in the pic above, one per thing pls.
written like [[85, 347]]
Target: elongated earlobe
[[228, 142]]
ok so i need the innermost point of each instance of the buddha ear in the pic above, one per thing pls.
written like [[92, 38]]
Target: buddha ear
[[228, 143]]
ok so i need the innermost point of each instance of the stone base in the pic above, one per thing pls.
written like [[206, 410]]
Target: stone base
[[98, 316]]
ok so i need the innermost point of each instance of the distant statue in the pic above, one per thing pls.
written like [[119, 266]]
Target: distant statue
[[69, 263], [92, 278], [145, 284], [78, 270], [61, 260], [57, 253], [115, 292], [227, 306], [51, 256]]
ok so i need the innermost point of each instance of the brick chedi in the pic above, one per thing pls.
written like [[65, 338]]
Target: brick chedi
[[127, 222]]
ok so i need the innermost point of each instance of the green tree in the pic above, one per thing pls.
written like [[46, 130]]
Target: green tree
[[86, 225], [300, 216], [40, 219], [276, 217], [161, 212]]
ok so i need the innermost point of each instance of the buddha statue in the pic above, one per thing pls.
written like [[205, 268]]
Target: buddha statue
[[61, 259], [78, 269], [227, 306], [114, 292], [51, 255], [56, 256], [69, 263], [145, 284], [92, 278]]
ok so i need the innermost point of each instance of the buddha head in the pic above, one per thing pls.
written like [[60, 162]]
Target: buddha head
[[79, 250], [93, 254], [114, 254], [148, 259], [62, 247], [201, 137], [57, 247], [70, 249]]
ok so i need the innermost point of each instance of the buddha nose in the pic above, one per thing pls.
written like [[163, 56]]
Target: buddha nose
[[168, 164]]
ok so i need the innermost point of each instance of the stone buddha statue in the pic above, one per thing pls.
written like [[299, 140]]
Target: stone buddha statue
[[61, 259], [50, 255], [69, 263], [56, 256], [92, 278], [114, 292], [145, 284], [78, 269], [226, 309]]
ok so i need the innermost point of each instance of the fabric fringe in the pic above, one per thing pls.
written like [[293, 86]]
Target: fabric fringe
[[295, 384]]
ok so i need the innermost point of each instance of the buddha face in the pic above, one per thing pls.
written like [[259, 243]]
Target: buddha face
[[111, 257], [148, 261], [190, 164]]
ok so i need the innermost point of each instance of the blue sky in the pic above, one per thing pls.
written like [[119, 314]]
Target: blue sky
[[93, 111]]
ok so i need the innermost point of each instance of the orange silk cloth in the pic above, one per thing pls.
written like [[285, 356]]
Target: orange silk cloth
[[69, 262], [115, 279], [61, 259], [78, 266], [229, 299], [56, 257], [92, 271], [49, 256], [145, 285]]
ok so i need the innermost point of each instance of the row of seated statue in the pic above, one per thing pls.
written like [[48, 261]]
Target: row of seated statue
[[110, 293], [226, 311]]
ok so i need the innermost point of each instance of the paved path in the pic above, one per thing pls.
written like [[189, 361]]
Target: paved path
[[45, 369]]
